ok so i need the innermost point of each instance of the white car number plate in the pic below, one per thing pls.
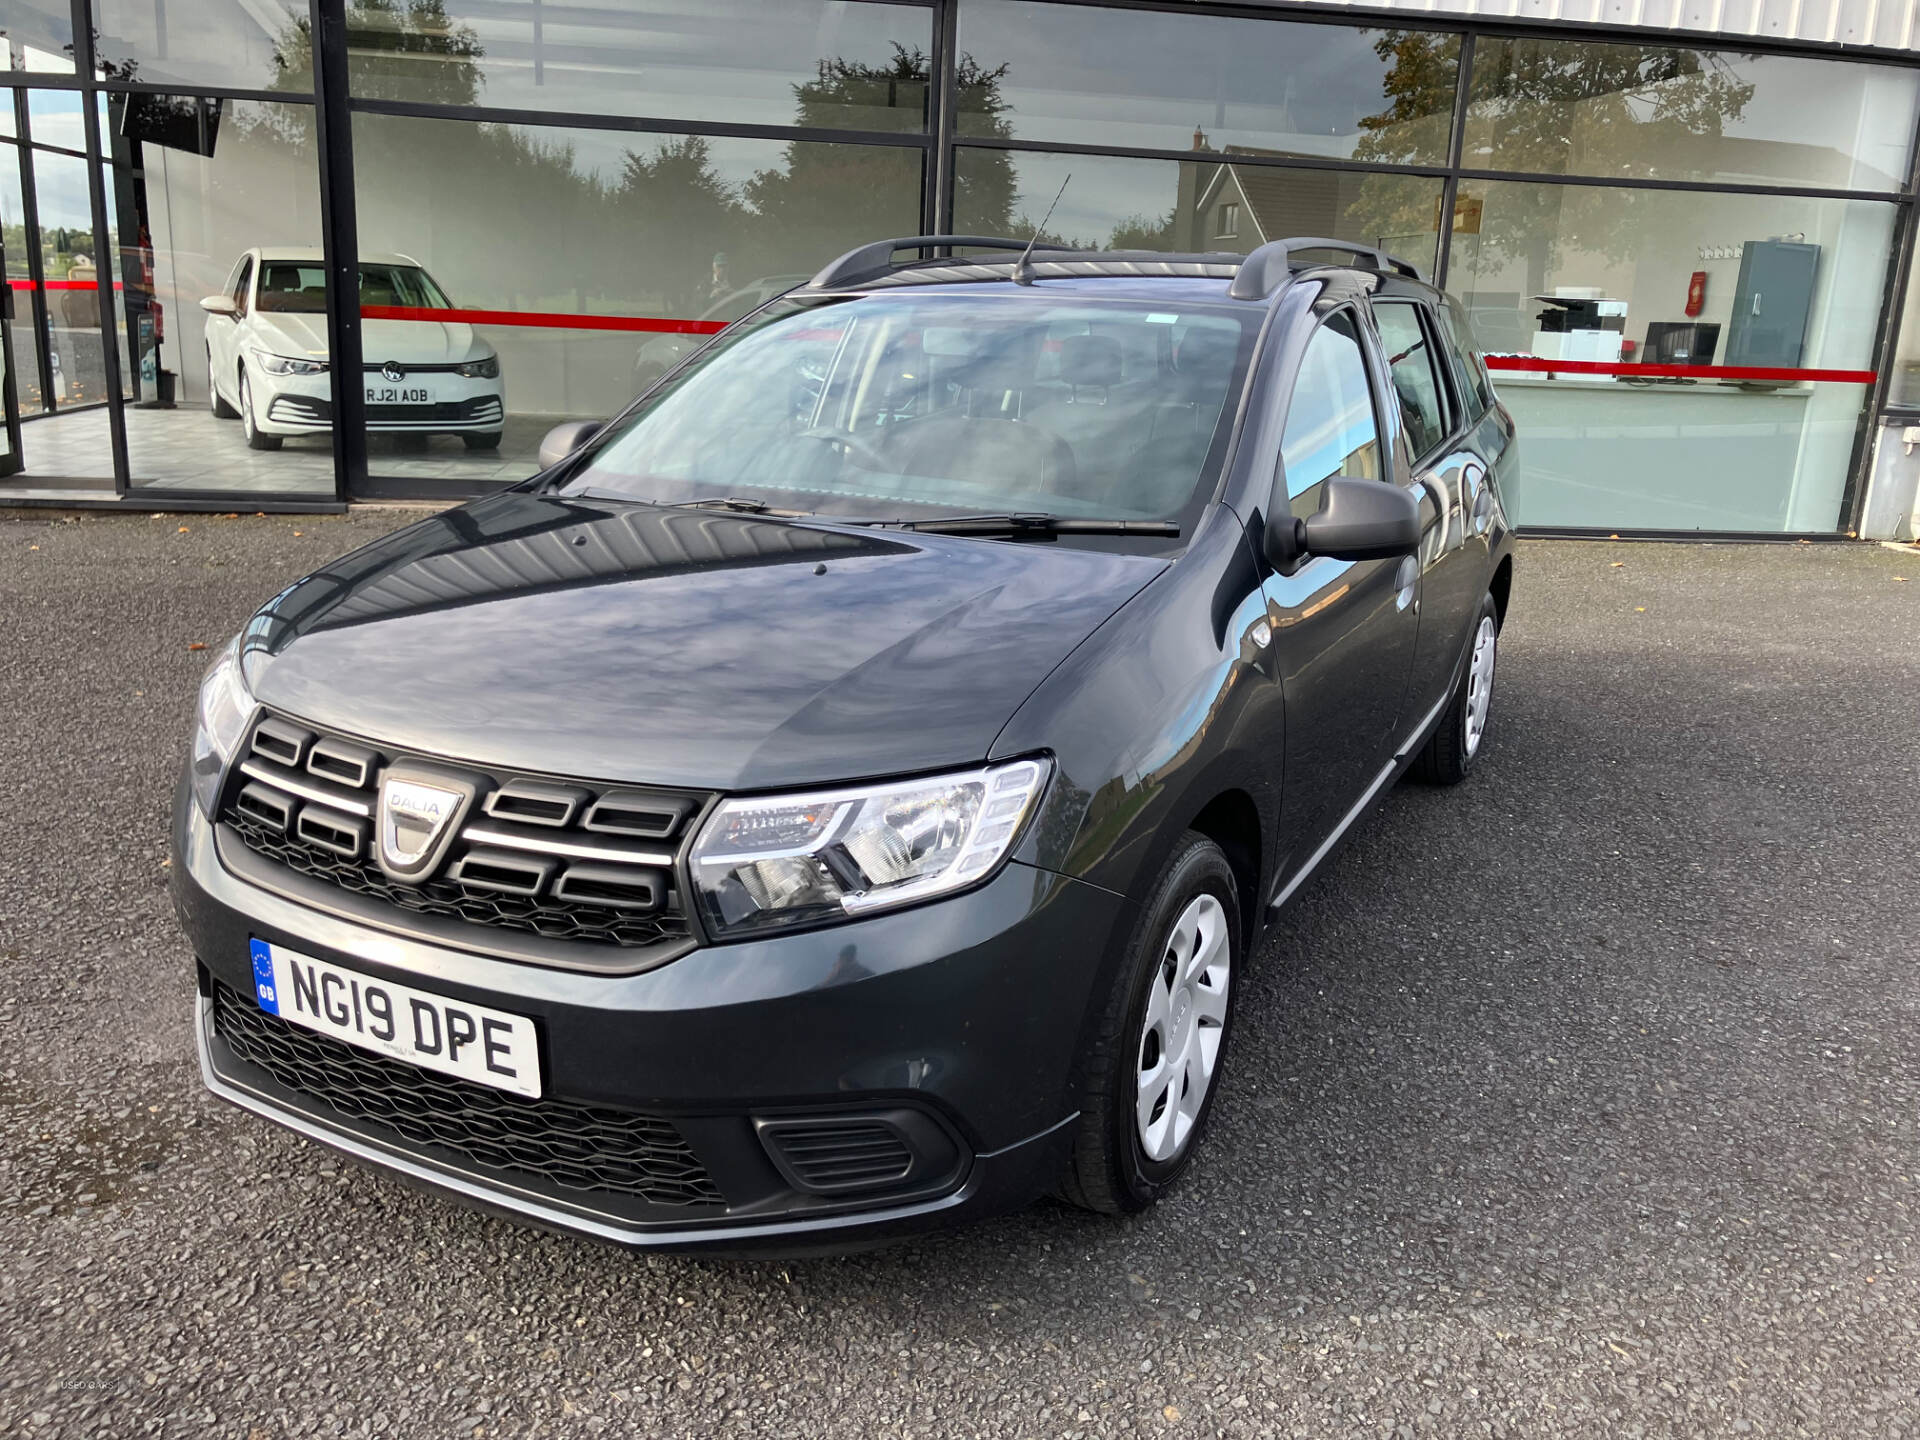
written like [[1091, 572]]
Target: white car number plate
[[396, 395], [488, 1047]]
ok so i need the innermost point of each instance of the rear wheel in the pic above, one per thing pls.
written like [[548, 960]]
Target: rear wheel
[[255, 440], [1449, 753], [221, 409], [1149, 1079]]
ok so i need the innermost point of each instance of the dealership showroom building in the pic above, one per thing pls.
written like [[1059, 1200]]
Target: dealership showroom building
[[1683, 229]]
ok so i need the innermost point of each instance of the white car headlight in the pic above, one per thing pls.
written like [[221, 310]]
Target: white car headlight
[[487, 369], [219, 724], [784, 860], [288, 364]]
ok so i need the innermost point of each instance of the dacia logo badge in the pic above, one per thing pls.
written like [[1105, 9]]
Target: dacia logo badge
[[392, 371], [417, 819]]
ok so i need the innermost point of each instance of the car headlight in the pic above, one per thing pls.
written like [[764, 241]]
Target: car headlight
[[487, 369], [785, 860], [219, 724], [288, 364]]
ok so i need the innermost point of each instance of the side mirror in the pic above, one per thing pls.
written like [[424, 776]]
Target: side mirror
[[1358, 520], [562, 440], [220, 305]]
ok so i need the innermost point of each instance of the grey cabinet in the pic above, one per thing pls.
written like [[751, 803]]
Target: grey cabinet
[[1772, 303]]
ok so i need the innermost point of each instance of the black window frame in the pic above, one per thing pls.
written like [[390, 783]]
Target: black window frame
[[1450, 418], [1477, 395], [1384, 434]]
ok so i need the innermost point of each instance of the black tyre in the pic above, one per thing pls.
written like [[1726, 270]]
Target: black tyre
[[255, 440], [1149, 1079], [1455, 743], [488, 441], [221, 409]]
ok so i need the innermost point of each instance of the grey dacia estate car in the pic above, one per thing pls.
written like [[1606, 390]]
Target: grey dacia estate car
[[840, 794]]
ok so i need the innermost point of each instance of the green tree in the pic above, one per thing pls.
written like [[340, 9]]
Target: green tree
[[677, 214], [402, 50], [984, 185], [1546, 107], [1144, 232], [824, 198]]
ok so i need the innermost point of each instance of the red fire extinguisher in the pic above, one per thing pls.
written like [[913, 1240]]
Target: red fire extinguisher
[[1696, 294]]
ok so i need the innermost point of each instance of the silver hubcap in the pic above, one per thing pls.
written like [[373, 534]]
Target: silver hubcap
[[246, 406], [1179, 1047], [1480, 682]]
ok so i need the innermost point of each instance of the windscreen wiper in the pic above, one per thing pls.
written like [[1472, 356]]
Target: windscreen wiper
[[715, 502], [1034, 523]]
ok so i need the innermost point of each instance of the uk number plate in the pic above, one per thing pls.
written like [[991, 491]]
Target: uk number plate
[[488, 1047], [396, 395]]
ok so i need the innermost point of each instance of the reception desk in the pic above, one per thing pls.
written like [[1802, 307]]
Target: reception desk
[[1603, 453]]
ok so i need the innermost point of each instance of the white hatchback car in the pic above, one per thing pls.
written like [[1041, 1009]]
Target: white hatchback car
[[267, 354]]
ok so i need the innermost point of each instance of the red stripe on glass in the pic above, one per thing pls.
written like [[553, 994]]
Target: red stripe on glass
[[545, 320], [1535, 365], [61, 285]]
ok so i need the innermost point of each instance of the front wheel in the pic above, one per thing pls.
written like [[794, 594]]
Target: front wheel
[[1449, 753], [475, 440], [255, 439], [1149, 1079], [221, 409]]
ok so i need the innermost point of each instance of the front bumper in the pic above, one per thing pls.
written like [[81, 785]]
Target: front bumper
[[456, 404], [962, 1019]]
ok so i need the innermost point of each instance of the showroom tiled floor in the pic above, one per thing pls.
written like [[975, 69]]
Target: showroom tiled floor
[[188, 449]]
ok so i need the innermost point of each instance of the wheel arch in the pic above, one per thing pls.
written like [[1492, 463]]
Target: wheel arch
[[1501, 588], [1232, 821]]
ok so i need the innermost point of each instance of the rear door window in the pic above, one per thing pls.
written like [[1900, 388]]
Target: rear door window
[[1410, 361]]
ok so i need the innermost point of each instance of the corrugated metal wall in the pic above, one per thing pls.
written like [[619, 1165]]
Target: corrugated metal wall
[[1881, 24]]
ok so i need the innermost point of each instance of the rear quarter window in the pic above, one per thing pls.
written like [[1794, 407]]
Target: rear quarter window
[[1469, 370]]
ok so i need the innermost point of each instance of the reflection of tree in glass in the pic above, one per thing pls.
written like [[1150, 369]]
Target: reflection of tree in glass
[[1144, 232], [1544, 107], [678, 215], [1423, 69], [667, 231], [402, 50], [1608, 110], [1551, 107], [826, 199], [984, 189]]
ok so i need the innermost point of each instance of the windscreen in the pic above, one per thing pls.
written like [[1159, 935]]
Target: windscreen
[[300, 287], [913, 405]]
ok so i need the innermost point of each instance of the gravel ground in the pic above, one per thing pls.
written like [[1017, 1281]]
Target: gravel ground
[[1578, 1100]]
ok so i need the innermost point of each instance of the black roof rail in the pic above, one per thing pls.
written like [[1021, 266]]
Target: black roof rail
[[1271, 265], [870, 262]]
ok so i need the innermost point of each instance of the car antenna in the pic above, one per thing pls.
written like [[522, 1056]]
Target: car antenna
[[1023, 267]]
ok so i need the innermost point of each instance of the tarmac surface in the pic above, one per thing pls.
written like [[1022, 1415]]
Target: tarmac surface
[[1582, 1099]]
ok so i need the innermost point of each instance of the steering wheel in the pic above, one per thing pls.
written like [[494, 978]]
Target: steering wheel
[[852, 444]]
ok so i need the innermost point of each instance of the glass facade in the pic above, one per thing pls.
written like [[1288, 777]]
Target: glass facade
[[1788, 288], [1211, 203], [618, 238], [1676, 258], [1179, 81], [1652, 112], [844, 66]]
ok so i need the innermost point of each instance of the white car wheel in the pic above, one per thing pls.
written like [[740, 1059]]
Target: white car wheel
[[221, 409], [255, 440]]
